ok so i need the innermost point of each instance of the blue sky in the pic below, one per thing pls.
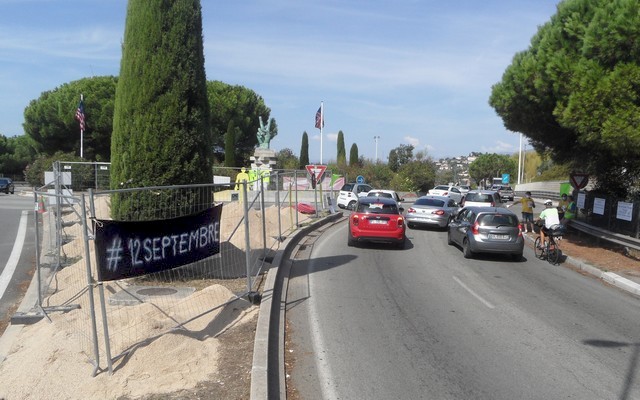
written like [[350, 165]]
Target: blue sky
[[413, 72]]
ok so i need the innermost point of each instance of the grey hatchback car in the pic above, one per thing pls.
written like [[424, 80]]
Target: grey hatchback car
[[6, 186], [487, 230], [431, 211]]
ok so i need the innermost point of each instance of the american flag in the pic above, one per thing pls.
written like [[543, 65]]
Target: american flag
[[319, 119], [80, 115]]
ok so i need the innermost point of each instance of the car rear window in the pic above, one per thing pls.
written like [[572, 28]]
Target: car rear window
[[347, 187], [442, 188], [381, 194], [377, 208], [497, 220], [429, 202], [479, 197]]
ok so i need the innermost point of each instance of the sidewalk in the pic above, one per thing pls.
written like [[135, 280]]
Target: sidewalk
[[626, 281]]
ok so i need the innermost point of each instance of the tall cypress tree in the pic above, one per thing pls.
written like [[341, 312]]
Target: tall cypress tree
[[353, 155], [342, 152], [230, 146], [161, 117], [304, 151]]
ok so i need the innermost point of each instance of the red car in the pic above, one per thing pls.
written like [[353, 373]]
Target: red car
[[376, 219]]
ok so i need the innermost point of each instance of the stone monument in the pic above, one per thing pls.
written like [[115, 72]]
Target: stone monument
[[264, 158]]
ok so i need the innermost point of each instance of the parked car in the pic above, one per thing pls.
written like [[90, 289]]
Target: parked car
[[350, 192], [506, 192], [481, 198], [390, 194], [7, 186], [487, 230], [376, 219], [464, 189], [431, 211], [448, 191]]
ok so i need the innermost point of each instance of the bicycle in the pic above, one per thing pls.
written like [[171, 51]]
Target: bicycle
[[551, 249]]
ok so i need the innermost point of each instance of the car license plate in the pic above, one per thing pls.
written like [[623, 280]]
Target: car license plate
[[498, 237], [378, 221]]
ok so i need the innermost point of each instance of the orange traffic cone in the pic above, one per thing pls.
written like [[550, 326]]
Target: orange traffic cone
[[41, 205]]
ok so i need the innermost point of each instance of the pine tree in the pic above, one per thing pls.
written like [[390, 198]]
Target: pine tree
[[304, 151], [161, 118]]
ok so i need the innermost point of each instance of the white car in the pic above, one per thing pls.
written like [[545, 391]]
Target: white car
[[450, 191], [349, 194], [391, 194]]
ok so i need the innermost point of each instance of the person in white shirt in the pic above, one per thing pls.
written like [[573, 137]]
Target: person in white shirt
[[550, 217]]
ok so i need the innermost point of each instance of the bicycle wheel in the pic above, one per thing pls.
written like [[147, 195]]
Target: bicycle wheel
[[537, 248], [553, 254]]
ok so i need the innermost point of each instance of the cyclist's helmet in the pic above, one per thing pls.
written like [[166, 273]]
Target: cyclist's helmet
[[548, 202]]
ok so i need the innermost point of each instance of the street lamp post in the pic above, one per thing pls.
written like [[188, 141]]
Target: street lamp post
[[376, 139]]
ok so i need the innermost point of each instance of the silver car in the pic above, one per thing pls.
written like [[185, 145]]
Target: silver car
[[431, 211], [487, 230]]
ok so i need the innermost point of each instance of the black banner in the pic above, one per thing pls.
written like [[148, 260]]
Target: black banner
[[126, 249]]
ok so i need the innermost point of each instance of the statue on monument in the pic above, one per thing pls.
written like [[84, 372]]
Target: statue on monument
[[264, 134]]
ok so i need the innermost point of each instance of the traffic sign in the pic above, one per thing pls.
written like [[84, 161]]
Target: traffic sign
[[578, 181], [317, 171], [360, 179]]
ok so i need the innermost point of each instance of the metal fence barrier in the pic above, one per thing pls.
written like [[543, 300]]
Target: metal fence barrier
[[112, 319]]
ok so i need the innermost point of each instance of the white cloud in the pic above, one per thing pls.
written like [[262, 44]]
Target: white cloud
[[415, 142]]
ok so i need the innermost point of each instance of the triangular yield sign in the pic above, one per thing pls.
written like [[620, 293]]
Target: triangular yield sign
[[317, 170]]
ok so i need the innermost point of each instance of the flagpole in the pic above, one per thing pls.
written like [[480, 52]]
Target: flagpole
[[321, 126], [81, 132], [520, 159]]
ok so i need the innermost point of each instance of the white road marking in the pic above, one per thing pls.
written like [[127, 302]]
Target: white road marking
[[327, 383], [12, 263], [474, 294]]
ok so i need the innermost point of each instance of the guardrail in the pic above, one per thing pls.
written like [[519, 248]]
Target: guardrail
[[603, 234]]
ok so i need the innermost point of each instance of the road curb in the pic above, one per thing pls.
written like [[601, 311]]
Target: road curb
[[609, 277], [267, 371]]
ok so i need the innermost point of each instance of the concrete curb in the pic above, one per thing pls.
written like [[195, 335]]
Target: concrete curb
[[267, 371], [28, 312]]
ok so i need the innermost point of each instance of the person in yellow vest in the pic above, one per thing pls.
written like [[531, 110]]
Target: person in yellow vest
[[242, 176], [266, 177], [563, 204], [253, 178], [570, 212], [527, 212]]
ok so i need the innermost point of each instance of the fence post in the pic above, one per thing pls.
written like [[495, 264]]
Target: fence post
[[90, 283], [264, 219], [295, 181], [38, 244], [247, 241], [280, 238]]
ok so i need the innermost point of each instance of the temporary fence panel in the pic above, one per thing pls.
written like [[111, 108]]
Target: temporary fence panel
[[124, 314]]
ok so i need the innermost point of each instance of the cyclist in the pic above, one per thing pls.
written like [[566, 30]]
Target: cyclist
[[550, 217]]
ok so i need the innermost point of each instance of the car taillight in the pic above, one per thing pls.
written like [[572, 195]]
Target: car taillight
[[400, 222], [493, 204], [474, 228], [355, 220], [438, 212], [411, 210], [519, 230], [445, 193]]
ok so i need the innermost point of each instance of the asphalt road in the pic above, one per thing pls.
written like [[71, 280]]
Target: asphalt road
[[17, 251], [425, 323]]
